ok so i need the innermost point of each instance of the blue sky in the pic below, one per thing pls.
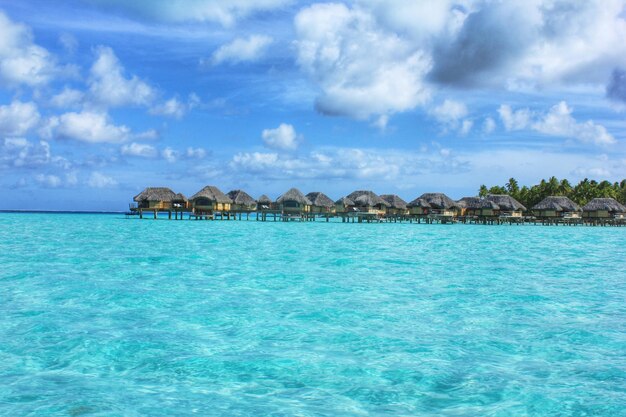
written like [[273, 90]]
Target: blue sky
[[100, 98]]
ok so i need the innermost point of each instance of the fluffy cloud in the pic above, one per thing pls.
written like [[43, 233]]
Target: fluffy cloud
[[139, 149], [558, 121], [109, 87], [450, 114], [91, 127], [345, 163], [17, 118], [67, 98], [372, 59], [489, 125], [99, 180], [239, 50], [360, 69], [48, 180], [22, 153], [219, 11], [284, 137], [175, 108], [21, 60]]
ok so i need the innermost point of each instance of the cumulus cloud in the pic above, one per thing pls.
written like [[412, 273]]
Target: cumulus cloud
[[489, 125], [558, 121], [248, 49], [371, 59], [195, 153], [99, 180], [18, 118], [174, 107], [139, 149], [360, 69], [170, 155], [87, 126], [21, 60], [108, 86], [451, 114], [345, 163], [284, 137], [22, 153], [48, 180], [176, 11], [67, 98]]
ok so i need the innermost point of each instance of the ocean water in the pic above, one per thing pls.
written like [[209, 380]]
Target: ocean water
[[104, 316]]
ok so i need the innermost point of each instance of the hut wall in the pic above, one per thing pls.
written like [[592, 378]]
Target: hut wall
[[419, 211], [600, 214]]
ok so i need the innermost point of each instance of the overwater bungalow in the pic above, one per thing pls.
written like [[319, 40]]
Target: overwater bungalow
[[345, 205], [368, 202], [263, 203], [418, 207], [397, 206], [477, 207], [241, 201], [441, 205], [293, 202], [155, 198], [604, 208], [320, 202], [210, 199], [508, 206], [557, 207]]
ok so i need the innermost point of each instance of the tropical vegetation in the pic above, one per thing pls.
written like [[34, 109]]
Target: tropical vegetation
[[581, 193]]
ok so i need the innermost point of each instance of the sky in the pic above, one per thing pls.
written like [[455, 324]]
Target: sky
[[101, 98]]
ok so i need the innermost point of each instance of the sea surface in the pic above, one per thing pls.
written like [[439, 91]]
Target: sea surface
[[106, 316]]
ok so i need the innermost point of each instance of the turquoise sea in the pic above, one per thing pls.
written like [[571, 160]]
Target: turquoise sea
[[104, 316]]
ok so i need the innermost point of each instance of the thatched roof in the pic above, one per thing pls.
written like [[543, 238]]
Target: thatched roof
[[294, 195], [241, 197], [155, 194], [605, 204], [394, 201], [264, 200], [212, 193], [477, 203], [557, 203], [419, 202], [319, 199], [439, 200], [506, 202], [179, 197], [344, 201], [363, 198]]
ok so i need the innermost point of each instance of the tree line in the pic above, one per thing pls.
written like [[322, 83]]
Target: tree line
[[580, 193]]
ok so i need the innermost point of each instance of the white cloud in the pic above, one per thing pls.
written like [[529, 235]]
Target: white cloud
[[68, 42], [91, 127], [175, 108], [21, 60], [48, 180], [248, 49], [466, 126], [22, 153], [489, 125], [195, 153], [558, 121], [284, 137], [99, 180], [373, 165], [109, 87], [514, 120], [360, 69], [67, 98], [170, 155], [17, 118], [176, 11], [139, 149]]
